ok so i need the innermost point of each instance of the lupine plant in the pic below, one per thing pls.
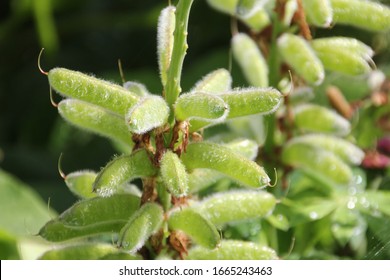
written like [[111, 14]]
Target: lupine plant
[[284, 164]]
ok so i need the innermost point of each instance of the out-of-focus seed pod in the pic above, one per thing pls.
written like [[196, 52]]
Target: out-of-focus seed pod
[[217, 81], [318, 12], [136, 88], [317, 160], [250, 59], [363, 14], [80, 183], [300, 56], [315, 118]]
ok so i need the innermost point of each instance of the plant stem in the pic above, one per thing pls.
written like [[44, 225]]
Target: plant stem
[[172, 88]]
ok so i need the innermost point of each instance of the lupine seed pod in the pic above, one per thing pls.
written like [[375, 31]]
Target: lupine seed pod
[[318, 12], [289, 10], [244, 102], [233, 250], [346, 55], [317, 160], [165, 39], [96, 120], [150, 112], [91, 251], [174, 174], [300, 56], [136, 88], [225, 6], [256, 19], [142, 224], [80, 86], [250, 59], [121, 170], [224, 160], [235, 206], [315, 118], [80, 183], [200, 229], [201, 106], [90, 217], [217, 81], [344, 149], [363, 14]]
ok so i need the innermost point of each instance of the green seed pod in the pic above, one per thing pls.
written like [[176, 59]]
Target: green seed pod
[[80, 183], [346, 55], [165, 39], [121, 170], [233, 250], [250, 60], [236, 206], [363, 14], [347, 151], [217, 81], [90, 217], [174, 174], [224, 160], [200, 229], [247, 148], [144, 223], [77, 85], [257, 19], [250, 101], [289, 11], [136, 88], [225, 6], [150, 112], [96, 120], [201, 106], [88, 251], [300, 56], [317, 160], [315, 118], [318, 12]]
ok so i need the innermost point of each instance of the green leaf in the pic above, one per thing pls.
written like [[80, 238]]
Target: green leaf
[[224, 160], [121, 170], [317, 160], [141, 225], [215, 82], [22, 211], [80, 183], [363, 14], [235, 206], [201, 106], [96, 120], [200, 229], [233, 250], [318, 12], [315, 118], [250, 59], [300, 56], [91, 217], [174, 174], [373, 202], [90, 89], [87, 251], [150, 112]]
